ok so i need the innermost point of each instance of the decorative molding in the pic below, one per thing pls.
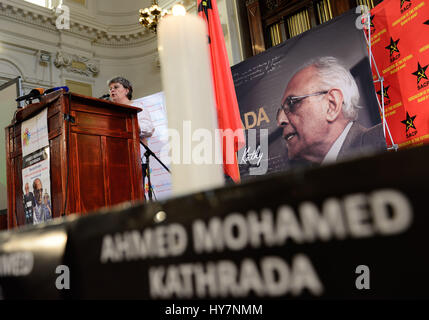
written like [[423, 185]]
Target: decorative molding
[[98, 34], [77, 64], [116, 41], [28, 16], [117, 14]]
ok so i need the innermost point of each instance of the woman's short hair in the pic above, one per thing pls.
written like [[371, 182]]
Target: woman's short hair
[[125, 83]]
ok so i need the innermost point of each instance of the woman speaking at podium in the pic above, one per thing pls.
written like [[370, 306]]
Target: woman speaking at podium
[[121, 91]]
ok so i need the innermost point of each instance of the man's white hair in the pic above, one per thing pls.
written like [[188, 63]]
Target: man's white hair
[[334, 75]]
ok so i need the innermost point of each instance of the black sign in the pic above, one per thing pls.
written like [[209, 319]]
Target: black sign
[[35, 157], [352, 230], [31, 261]]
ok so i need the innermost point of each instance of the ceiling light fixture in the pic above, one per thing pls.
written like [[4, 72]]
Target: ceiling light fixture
[[150, 17]]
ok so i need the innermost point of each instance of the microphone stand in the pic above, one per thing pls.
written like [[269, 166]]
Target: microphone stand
[[147, 154]]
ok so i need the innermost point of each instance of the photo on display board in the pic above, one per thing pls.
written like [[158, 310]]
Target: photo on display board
[[36, 181], [37, 189], [309, 101]]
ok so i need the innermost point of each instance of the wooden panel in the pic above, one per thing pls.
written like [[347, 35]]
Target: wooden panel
[[255, 26], [74, 199], [340, 6], [3, 220], [56, 183], [136, 179], [90, 168], [10, 145], [109, 110], [55, 122], [15, 141], [285, 8], [118, 170], [68, 149], [106, 164], [103, 132], [91, 104], [92, 121], [20, 215], [10, 176]]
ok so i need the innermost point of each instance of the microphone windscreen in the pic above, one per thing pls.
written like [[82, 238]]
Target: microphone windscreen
[[38, 91], [65, 88]]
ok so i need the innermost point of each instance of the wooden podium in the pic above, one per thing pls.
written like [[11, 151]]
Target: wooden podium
[[94, 155]]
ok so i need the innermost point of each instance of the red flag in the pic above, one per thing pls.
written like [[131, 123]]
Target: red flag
[[226, 100]]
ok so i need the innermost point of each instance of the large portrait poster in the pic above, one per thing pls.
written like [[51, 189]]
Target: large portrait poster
[[298, 115], [36, 181]]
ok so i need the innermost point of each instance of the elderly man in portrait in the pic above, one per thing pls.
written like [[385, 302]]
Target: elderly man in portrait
[[37, 191], [29, 203], [318, 115]]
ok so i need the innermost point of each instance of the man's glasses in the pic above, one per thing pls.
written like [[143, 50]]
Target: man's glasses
[[291, 102]]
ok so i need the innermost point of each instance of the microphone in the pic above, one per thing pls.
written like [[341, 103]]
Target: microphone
[[35, 93], [66, 89], [105, 96]]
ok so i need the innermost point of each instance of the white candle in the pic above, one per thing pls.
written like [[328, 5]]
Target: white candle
[[188, 89]]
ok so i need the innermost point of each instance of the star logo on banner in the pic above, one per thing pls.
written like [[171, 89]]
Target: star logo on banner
[[205, 5], [421, 72], [409, 122], [393, 46], [403, 1], [385, 94]]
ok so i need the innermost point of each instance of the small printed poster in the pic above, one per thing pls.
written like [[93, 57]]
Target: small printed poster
[[36, 180], [34, 133]]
